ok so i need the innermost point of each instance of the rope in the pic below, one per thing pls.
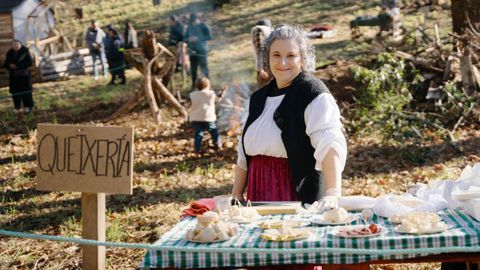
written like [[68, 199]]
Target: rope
[[17, 94], [117, 68], [166, 248], [31, 91]]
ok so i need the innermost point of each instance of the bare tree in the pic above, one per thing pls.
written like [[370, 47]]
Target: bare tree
[[466, 22], [465, 14]]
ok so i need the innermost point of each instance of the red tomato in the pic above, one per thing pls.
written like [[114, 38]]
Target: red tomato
[[373, 228]]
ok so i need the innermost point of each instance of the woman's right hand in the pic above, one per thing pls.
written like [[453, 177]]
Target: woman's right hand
[[239, 183], [238, 197]]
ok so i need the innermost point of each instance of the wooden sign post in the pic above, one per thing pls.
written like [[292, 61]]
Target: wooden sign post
[[92, 160]]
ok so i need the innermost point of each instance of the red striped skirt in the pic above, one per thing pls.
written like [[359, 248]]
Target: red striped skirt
[[269, 179]]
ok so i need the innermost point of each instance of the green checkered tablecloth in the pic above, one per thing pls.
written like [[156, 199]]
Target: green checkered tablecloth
[[248, 249]]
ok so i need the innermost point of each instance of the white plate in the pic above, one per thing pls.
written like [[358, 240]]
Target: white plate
[[337, 231], [243, 222], [321, 221], [397, 229], [277, 238], [395, 220], [277, 223], [207, 242]]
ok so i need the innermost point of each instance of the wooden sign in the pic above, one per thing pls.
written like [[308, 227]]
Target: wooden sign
[[85, 158]]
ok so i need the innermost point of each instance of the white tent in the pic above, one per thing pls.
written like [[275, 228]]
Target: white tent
[[20, 15]]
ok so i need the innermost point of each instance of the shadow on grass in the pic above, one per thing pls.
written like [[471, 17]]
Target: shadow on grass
[[90, 112], [311, 13], [388, 159], [17, 159], [398, 158], [13, 196], [327, 46], [55, 213], [215, 158]]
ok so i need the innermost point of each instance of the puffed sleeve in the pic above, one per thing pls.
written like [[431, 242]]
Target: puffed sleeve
[[241, 159], [323, 126]]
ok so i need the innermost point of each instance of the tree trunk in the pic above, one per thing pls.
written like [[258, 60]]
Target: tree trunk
[[468, 79], [462, 10]]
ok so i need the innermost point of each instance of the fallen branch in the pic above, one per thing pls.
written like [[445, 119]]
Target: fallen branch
[[417, 61], [157, 83]]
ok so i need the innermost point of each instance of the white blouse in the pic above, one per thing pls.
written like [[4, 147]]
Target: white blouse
[[323, 126]]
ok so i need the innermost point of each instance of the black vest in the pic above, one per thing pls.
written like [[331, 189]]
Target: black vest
[[289, 117]]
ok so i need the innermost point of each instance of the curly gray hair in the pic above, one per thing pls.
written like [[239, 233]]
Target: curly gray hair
[[285, 31]]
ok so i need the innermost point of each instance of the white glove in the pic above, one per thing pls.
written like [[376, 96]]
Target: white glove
[[327, 203]]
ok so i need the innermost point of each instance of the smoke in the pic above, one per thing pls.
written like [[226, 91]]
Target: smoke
[[233, 109], [233, 66]]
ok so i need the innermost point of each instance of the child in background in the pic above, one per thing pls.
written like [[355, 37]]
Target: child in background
[[202, 112]]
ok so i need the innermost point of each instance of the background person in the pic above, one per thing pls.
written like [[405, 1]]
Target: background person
[[202, 112], [115, 56], [260, 32], [176, 32], [175, 40], [292, 146], [131, 40], [93, 38], [197, 36], [18, 62]]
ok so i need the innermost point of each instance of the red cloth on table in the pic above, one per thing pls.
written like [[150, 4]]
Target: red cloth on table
[[199, 207]]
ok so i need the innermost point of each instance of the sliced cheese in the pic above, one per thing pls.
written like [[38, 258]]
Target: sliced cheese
[[276, 209]]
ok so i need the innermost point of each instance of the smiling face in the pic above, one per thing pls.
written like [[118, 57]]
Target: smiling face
[[285, 61]]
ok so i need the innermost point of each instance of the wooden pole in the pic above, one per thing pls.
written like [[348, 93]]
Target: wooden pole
[[148, 87], [93, 227], [170, 97], [438, 41]]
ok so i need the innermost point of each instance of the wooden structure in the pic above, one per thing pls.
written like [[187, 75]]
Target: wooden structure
[[62, 65], [156, 63], [33, 22], [6, 34], [56, 41]]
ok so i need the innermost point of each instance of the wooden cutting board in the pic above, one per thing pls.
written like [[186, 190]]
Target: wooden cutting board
[[276, 208]]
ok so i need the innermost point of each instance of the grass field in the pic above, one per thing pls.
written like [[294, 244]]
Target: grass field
[[167, 174]]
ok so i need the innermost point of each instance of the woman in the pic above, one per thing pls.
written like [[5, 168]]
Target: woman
[[18, 62], [292, 146], [131, 40]]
